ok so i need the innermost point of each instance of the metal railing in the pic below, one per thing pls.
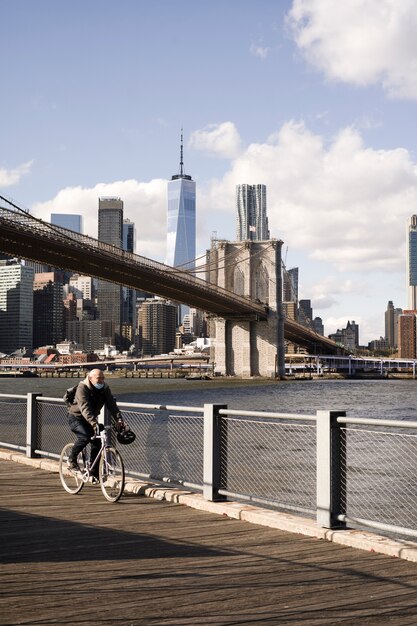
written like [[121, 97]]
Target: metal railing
[[340, 470]]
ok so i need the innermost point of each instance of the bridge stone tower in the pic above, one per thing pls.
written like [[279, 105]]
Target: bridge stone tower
[[248, 347]]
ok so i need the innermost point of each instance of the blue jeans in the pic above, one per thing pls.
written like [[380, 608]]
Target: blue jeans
[[84, 432]]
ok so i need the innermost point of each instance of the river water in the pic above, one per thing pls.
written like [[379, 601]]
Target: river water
[[385, 399]]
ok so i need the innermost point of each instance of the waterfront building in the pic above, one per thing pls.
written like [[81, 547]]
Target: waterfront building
[[157, 326], [391, 324], [407, 334], [411, 259], [109, 296], [67, 220], [48, 309], [92, 335], [16, 307], [379, 345], [348, 337], [251, 218]]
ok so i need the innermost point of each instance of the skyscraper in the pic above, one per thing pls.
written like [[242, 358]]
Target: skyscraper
[[48, 309], [110, 230], [391, 324], [16, 307], [157, 326], [181, 219], [181, 224], [251, 218], [128, 320], [412, 263], [67, 220]]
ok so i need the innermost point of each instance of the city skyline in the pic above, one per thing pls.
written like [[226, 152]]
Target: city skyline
[[327, 125]]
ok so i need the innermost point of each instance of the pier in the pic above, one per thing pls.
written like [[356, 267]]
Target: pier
[[80, 560]]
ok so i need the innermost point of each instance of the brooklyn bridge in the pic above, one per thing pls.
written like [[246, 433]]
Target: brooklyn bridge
[[24, 236]]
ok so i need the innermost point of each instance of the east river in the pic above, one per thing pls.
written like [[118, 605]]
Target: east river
[[386, 399]]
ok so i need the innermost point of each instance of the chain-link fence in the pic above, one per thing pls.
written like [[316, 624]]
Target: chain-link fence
[[379, 476], [269, 460], [354, 470], [168, 445], [13, 411], [52, 427]]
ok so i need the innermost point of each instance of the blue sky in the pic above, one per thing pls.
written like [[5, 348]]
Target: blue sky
[[313, 98]]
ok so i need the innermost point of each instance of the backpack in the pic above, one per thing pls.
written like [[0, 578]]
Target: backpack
[[69, 395]]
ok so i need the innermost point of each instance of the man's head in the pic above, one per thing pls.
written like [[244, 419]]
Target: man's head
[[96, 378]]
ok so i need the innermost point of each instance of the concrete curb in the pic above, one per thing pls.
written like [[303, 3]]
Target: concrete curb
[[361, 540]]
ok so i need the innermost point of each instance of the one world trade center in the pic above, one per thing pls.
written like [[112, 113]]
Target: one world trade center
[[181, 226]]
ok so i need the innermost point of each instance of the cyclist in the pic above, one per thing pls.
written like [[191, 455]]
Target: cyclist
[[90, 397]]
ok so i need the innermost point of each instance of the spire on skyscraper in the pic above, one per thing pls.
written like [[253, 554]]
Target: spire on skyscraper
[[181, 174]]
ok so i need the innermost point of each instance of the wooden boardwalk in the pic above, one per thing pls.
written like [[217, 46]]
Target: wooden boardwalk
[[80, 560]]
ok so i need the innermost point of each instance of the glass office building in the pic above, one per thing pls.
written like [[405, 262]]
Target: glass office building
[[181, 226], [68, 220], [412, 263], [181, 219]]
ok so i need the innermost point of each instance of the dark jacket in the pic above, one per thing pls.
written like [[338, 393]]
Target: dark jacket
[[89, 401]]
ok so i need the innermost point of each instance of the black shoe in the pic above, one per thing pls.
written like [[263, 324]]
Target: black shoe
[[73, 465], [94, 480]]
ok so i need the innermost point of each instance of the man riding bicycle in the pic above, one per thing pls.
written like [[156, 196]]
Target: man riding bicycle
[[90, 397]]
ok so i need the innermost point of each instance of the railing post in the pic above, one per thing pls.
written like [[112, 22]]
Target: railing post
[[212, 451], [331, 468], [32, 426]]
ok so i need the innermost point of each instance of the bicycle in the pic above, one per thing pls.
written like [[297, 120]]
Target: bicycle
[[111, 471]]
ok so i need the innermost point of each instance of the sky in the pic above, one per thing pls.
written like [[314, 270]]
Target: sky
[[314, 98]]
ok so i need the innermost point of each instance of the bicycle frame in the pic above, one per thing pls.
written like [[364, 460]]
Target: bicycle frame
[[104, 436]]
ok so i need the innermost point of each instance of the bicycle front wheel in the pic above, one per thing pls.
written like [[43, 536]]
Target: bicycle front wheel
[[112, 474], [71, 480]]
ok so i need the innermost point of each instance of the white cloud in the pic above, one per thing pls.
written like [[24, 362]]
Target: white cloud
[[218, 139], [261, 52], [144, 204], [361, 42], [340, 202], [12, 177]]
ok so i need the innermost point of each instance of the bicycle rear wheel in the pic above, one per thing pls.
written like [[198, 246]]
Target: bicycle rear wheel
[[112, 474], [71, 480]]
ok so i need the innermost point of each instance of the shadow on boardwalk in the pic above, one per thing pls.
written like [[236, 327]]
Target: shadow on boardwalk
[[80, 560]]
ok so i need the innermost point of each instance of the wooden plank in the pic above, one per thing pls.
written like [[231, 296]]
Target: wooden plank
[[80, 560]]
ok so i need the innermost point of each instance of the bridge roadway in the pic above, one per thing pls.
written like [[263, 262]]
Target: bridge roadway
[[27, 237], [79, 560]]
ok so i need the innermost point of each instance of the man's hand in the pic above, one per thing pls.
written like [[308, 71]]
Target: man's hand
[[120, 425]]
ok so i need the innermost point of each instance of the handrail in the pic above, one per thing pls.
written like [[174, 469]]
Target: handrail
[[377, 422], [13, 395], [294, 416]]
